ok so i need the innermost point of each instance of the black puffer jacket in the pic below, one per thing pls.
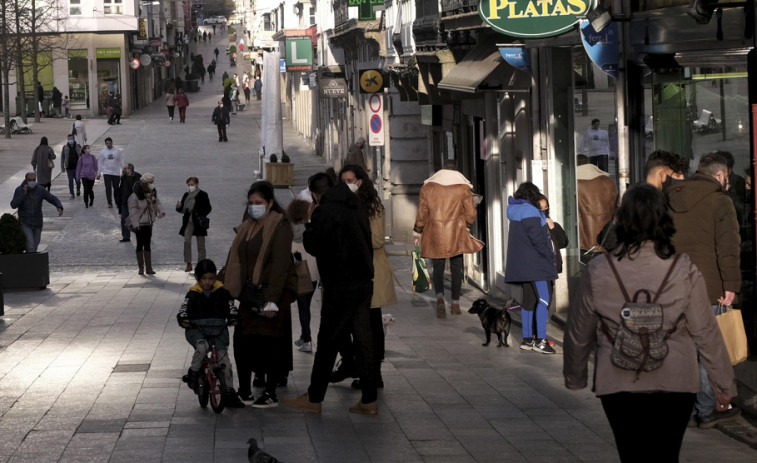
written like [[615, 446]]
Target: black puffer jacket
[[339, 236]]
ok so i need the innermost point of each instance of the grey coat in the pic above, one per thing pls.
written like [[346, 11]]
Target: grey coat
[[42, 154]]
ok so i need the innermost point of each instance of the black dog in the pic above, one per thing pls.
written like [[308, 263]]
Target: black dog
[[493, 319]]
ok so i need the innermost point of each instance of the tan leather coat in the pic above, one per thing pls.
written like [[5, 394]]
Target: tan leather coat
[[383, 279], [597, 197], [445, 214]]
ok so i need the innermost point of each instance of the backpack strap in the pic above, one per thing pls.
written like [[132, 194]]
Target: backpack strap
[[617, 277], [665, 280]]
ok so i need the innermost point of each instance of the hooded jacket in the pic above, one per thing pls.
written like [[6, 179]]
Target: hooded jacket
[[597, 197], [29, 204], [339, 236], [445, 214], [530, 255], [219, 304], [708, 231]]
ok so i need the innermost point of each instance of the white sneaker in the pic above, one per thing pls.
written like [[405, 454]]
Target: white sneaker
[[306, 347]]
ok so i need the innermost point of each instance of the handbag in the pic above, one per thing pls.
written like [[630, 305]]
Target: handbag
[[304, 280], [254, 296], [50, 163], [202, 221], [732, 327], [421, 281]]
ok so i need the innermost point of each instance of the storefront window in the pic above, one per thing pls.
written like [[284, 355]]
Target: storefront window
[[78, 79], [108, 75], [74, 7]]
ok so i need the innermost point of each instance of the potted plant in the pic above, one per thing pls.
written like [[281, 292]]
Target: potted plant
[[19, 268], [280, 173]]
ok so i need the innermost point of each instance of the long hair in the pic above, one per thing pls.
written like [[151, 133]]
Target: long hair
[[643, 216], [265, 190], [529, 192], [367, 195]]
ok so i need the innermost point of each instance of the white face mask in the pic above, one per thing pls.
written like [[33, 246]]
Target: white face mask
[[353, 187], [192, 188], [256, 211], [152, 186]]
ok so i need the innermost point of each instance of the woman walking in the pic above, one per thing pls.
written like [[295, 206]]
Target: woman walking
[[195, 207], [170, 103], [86, 172], [530, 264], [182, 101], [42, 162], [260, 256], [298, 212], [648, 409], [144, 208]]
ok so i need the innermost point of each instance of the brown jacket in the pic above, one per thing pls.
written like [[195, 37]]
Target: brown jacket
[[445, 214], [597, 197], [707, 230], [697, 332], [383, 279]]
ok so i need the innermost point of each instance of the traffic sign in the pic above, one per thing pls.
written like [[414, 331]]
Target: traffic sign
[[376, 120], [371, 81]]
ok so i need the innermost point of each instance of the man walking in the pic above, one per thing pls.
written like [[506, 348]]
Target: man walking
[[708, 231], [110, 165], [70, 157], [258, 86], [445, 214], [221, 119], [28, 200], [339, 236]]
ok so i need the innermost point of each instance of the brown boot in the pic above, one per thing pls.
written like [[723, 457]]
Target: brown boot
[[148, 263], [441, 311], [141, 262], [188, 267], [364, 409], [454, 308]]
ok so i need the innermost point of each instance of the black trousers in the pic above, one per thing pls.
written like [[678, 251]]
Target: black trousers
[[112, 188], [347, 348], [658, 420], [455, 268], [222, 132], [144, 236], [89, 193], [345, 309]]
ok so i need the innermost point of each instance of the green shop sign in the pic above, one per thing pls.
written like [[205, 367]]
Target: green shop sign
[[299, 54], [533, 18], [107, 53]]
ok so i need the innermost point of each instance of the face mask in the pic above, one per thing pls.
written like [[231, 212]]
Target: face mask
[[87, 151], [32, 185], [70, 142], [256, 211], [670, 181], [152, 186], [298, 230], [353, 187], [192, 188]]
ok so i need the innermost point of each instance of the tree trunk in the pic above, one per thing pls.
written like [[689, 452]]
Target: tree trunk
[[35, 62]]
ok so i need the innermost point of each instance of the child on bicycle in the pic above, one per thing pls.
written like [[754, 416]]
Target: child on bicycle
[[206, 306]]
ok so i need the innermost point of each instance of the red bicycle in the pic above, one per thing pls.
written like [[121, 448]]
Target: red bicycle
[[211, 382]]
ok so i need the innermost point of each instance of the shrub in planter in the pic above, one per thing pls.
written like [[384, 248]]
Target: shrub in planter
[[273, 158], [12, 236], [285, 157]]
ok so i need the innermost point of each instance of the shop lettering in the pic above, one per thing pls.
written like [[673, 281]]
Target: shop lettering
[[536, 8]]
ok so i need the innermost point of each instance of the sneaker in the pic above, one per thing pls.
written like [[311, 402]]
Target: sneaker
[[527, 344], [541, 345], [711, 420], [124, 240], [441, 311], [307, 347], [342, 372], [299, 342], [266, 401]]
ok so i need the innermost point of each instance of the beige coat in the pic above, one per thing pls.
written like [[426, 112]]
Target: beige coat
[[445, 214], [697, 332], [170, 99], [383, 276]]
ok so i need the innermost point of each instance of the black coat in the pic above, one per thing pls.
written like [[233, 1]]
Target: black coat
[[202, 208], [221, 116], [127, 187], [559, 241], [339, 237]]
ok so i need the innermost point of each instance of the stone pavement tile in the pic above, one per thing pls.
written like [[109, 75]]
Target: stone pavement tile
[[239, 455], [90, 447], [150, 415], [98, 426], [237, 437], [146, 424], [50, 442], [159, 395], [141, 449], [144, 432]]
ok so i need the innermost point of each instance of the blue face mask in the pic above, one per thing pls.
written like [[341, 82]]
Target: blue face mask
[[32, 185], [256, 211], [70, 142]]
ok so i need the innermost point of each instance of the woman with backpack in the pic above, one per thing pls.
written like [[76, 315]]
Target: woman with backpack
[[644, 297]]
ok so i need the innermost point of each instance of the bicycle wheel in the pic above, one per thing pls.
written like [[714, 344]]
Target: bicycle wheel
[[217, 389], [203, 390]]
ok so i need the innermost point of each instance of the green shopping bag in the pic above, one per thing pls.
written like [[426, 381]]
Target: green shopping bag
[[421, 281]]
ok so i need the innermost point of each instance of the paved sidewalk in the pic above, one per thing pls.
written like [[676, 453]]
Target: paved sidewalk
[[90, 369]]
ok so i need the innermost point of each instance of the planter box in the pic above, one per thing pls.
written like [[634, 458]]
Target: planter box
[[25, 271], [280, 173]]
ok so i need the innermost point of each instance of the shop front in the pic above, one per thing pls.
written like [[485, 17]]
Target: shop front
[[108, 75]]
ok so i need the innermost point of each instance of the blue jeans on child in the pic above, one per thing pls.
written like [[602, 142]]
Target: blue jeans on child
[[541, 312]]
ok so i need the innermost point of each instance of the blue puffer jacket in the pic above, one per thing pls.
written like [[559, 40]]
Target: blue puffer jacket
[[29, 204], [530, 256]]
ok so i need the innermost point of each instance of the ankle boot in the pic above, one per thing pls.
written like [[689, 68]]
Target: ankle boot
[[148, 263], [141, 262]]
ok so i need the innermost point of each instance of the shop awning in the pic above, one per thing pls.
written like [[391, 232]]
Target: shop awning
[[484, 65]]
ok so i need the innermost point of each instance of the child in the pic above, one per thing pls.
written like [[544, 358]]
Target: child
[[207, 303], [67, 106]]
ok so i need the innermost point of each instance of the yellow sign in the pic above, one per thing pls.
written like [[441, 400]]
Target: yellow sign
[[142, 34], [371, 81]]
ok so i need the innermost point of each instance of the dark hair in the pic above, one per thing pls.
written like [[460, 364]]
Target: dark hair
[[78, 117], [43, 141], [84, 148], [450, 164], [367, 195], [729, 161], [196, 180], [265, 190], [332, 175], [712, 163], [662, 158], [529, 192], [205, 266], [594, 120], [582, 159], [106, 140], [643, 216], [297, 211], [320, 183]]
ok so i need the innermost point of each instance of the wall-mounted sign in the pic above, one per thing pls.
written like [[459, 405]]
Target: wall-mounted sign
[[332, 87], [376, 120], [101, 53], [371, 81], [145, 59], [135, 64], [299, 54], [602, 47], [517, 57], [533, 18], [142, 33]]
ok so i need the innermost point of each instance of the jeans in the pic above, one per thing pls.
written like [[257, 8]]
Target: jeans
[[125, 232], [541, 312], [89, 190], [705, 403], [601, 161], [188, 244], [303, 308], [456, 269], [33, 236], [112, 188], [71, 180]]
